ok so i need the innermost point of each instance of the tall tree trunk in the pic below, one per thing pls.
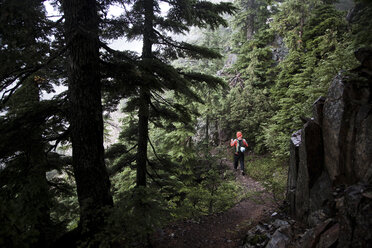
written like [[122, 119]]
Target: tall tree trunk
[[302, 23], [143, 113], [218, 132], [251, 18], [86, 122], [143, 117], [207, 130]]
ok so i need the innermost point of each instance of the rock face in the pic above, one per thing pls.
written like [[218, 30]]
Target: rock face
[[346, 130], [318, 110], [279, 50], [308, 187], [310, 167], [293, 170], [356, 216], [330, 169]]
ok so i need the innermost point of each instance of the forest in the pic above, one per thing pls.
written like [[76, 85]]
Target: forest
[[106, 146]]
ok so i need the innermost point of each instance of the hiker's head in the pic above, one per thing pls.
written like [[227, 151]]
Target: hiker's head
[[239, 135]]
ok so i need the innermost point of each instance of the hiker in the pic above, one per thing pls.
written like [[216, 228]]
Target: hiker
[[240, 146]]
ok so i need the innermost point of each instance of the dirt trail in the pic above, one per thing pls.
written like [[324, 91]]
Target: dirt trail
[[224, 230]]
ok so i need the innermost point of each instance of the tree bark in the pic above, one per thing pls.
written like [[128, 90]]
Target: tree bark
[[86, 122], [219, 136], [250, 20], [143, 112], [143, 117], [207, 130]]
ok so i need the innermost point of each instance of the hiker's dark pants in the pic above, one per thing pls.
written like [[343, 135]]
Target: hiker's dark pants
[[237, 158]]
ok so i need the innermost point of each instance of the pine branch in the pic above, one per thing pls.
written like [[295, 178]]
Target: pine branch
[[27, 72], [208, 79], [127, 12], [162, 98], [116, 149], [129, 57], [192, 49], [58, 139], [154, 107], [153, 149], [61, 187], [120, 166], [153, 179]]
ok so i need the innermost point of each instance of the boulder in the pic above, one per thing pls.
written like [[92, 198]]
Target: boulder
[[279, 223], [280, 238], [329, 237], [257, 236], [311, 237]]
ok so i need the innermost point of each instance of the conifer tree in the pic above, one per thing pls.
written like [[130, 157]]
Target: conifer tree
[[251, 17], [27, 124], [27, 158], [24, 43], [247, 105], [146, 21], [318, 50], [85, 116]]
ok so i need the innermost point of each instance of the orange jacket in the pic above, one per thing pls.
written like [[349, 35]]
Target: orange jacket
[[235, 143]]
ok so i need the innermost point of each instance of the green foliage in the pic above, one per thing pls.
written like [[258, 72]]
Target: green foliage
[[271, 172], [251, 17], [185, 181], [361, 21], [28, 125], [65, 206], [211, 189], [248, 110], [137, 212], [198, 183], [255, 61], [306, 73]]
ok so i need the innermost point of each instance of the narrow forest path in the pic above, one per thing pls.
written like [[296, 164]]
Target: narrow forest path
[[223, 230]]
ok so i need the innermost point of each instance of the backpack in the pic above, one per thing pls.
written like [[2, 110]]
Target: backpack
[[240, 148]]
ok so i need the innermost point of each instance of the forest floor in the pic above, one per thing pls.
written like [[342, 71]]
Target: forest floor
[[222, 230]]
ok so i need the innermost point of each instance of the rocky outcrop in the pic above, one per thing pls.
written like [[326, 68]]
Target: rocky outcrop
[[330, 173], [347, 122], [355, 207], [308, 187], [293, 170], [309, 169], [278, 49], [347, 133], [276, 233], [318, 110]]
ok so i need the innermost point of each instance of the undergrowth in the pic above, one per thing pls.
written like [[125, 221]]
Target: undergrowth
[[271, 172]]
